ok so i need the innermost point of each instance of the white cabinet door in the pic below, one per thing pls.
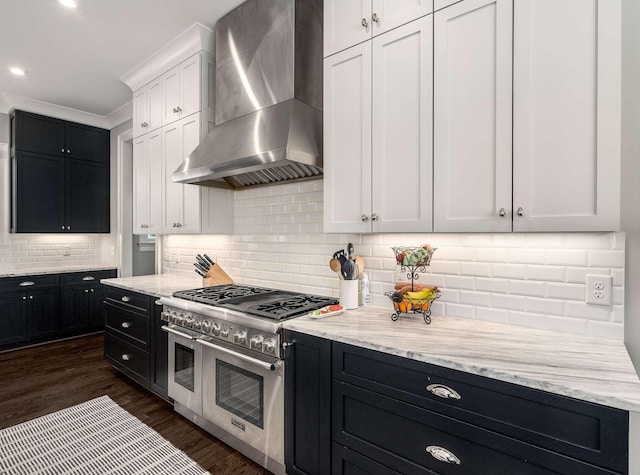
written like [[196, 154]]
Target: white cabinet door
[[567, 72], [140, 185], [346, 23], [472, 117], [140, 111], [154, 193], [389, 14], [347, 140], [190, 86], [154, 105], [402, 129], [170, 95], [181, 203]]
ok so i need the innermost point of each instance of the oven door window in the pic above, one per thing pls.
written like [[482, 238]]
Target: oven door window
[[184, 366], [240, 392]]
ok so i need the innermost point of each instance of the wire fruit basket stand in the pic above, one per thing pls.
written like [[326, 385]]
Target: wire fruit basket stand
[[410, 297]]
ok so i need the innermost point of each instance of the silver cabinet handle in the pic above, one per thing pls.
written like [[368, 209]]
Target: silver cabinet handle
[[502, 212], [364, 218], [62, 150], [443, 454], [520, 211], [365, 23], [62, 227], [68, 151], [86, 291], [374, 217], [375, 18], [126, 325], [68, 228], [444, 392], [93, 291], [125, 299], [125, 357], [286, 345], [27, 283], [24, 298], [89, 277], [249, 359], [30, 297], [179, 109]]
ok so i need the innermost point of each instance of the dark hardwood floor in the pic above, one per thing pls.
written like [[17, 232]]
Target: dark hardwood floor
[[43, 379]]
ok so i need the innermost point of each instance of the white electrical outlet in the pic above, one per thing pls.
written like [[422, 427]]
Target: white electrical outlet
[[599, 289]]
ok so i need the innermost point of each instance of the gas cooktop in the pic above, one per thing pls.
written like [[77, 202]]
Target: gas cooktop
[[257, 301]]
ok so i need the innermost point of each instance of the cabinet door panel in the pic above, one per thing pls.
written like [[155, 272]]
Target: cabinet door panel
[[190, 86], [73, 311], [13, 321], [172, 198], [42, 314], [87, 197], [473, 126], [140, 112], [87, 143], [343, 24], [402, 128], [38, 193], [95, 316], [160, 345], [190, 222], [567, 115], [170, 95], [154, 181], [393, 13], [154, 105], [39, 134], [347, 140], [140, 185]]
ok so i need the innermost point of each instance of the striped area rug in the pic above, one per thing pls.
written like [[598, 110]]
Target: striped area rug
[[95, 437]]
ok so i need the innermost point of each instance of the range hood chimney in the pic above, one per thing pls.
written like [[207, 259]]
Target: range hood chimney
[[268, 110]]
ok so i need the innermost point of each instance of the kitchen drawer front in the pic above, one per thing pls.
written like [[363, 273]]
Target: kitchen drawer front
[[28, 282], [348, 462], [139, 302], [132, 361], [582, 430], [86, 278], [402, 436], [128, 323]]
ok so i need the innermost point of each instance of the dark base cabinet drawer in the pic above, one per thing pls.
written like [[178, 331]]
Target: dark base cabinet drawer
[[128, 323], [139, 302], [132, 361], [417, 441], [578, 429], [348, 462], [28, 283]]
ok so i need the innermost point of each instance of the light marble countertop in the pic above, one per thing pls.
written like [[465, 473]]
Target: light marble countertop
[[585, 368], [157, 285], [51, 270]]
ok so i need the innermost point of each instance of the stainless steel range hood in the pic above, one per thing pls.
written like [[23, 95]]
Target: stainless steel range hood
[[268, 111]]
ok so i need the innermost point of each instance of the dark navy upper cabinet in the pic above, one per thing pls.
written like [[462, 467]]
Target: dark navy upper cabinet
[[60, 176]]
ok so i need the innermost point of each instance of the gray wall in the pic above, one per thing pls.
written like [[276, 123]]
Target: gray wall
[[144, 262], [4, 128], [630, 209]]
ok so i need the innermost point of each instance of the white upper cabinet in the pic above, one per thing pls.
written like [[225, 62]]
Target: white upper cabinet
[[567, 74], [349, 22], [147, 108], [377, 132], [184, 90], [472, 116], [147, 183]]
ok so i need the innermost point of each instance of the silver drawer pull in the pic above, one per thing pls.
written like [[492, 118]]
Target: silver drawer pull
[[125, 299], [27, 283], [126, 325], [88, 277], [442, 391], [125, 357], [443, 454]]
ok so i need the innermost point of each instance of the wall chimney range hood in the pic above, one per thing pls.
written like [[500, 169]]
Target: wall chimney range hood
[[268, 110]]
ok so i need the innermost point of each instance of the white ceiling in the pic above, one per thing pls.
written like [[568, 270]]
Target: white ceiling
[[74, 57]]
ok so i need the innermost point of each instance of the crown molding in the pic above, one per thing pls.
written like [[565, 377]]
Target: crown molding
[[9, 102], [194, 39]]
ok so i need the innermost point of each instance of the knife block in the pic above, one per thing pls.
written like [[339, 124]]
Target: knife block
[[216, 276]]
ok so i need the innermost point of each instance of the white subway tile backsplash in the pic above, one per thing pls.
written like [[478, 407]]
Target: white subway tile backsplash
[[535, 279]]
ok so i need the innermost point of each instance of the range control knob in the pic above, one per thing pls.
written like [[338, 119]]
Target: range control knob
[[240, 337], [205, 326], [197, 325], [164, 316], [256, 342], [179, 320], [215, 329], [188, 322], [269, 345], [224, 332]]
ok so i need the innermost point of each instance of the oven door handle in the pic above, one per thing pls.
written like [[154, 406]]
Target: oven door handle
[[167, 329], [249, 359]]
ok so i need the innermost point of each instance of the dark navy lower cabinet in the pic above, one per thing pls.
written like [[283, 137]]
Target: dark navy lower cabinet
[[348, 462]]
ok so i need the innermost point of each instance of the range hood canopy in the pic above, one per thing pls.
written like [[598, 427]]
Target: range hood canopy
[[268, 111]]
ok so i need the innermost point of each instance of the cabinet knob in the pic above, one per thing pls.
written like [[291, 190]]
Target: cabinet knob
[[179, 225], [365, 23], [364, 218], [374, 217], [68, 228], [502, 212], [443, 455], [30, 297], [62, 227], [125, 357], [62, 150], [68, 151], [125, 299], [179, 110], [375, 18], [93, 291], [520, 211], [24, 298], [126, 325], [86, 291]]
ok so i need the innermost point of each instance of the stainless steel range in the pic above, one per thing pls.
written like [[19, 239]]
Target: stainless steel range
[[226, 363]]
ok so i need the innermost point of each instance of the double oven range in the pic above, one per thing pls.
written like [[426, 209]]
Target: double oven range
[[226, 363]]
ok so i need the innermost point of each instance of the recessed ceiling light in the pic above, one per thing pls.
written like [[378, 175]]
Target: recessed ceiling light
[[68, 3], [17, 71]]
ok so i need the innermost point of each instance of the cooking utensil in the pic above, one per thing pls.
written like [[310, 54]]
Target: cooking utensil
[[201, 260], [360, 263], [350, 250], [336, 267], [200, 273], [348, 269], [201, 268], [340, 255]]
